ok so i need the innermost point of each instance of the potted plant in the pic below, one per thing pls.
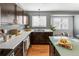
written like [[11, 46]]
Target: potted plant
[[52, 28]]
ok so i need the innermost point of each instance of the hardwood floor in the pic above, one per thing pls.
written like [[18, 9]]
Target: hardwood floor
[[38, 50]]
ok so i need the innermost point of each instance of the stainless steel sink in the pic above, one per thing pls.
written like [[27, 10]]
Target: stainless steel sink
[[39, 30]]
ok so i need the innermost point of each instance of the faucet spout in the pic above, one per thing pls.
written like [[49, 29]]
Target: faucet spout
[[4, 37]]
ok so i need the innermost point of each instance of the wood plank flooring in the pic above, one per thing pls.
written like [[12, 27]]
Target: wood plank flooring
[[38, 50]]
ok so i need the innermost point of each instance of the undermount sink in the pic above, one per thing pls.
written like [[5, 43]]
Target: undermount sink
[[39, 30]]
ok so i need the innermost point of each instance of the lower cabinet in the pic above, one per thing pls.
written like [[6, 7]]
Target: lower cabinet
[[21, 49], [56, 53], [52, 50], [18, 51], [40, 37], [28, 42], [26, 45]]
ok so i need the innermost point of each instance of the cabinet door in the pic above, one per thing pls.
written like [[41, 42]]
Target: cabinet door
[[40, 37], [45, 37], [28, 42], [56, 53], [18, 51], [34, 38], [51, 49]]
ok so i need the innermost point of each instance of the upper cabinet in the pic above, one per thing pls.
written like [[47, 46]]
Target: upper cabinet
[[19, 15], [7, 13], [22, 18], [11, 13]]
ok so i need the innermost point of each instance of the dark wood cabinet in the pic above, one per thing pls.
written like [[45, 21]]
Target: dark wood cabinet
[[52, 50], [18, 51], [40, 37], [19, 15], [10, 13], [6, 52], [56, 53], [7, 13]]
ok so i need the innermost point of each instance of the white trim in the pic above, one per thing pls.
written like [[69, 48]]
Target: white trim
[[61, 15]]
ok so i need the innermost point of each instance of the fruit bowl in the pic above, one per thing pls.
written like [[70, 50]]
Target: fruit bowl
[[64, 43]]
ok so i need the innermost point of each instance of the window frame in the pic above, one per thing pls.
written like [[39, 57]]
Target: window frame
[[61, 22], [22, 20], [45, 25]]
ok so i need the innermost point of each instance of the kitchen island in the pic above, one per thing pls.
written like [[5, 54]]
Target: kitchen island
[[56, 50]]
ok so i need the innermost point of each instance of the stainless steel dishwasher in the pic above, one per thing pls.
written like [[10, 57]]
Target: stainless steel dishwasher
[[26, 44]]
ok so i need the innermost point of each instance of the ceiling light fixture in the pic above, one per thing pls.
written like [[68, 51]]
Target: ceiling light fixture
[[39, 12]]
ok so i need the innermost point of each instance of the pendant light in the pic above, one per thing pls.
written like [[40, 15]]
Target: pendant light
[[39, 13]]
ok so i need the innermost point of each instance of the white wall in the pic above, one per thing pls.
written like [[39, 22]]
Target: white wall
[[0, 14], [76, 24]]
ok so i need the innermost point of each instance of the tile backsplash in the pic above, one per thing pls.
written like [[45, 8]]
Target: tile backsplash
[[9, 27]]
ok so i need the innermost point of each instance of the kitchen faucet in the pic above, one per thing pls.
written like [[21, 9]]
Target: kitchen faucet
[[4, 35], [64, 34]]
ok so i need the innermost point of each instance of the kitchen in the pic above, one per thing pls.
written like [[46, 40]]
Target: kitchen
[[22, 28]]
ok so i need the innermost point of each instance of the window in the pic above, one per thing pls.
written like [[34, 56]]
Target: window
[[19, 19], [22, 20], [39, 21], [7, 18], [25, 21], [60, 22]]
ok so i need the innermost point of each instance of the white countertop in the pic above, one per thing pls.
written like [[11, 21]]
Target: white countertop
[[64, 51], [41, 30], [14, 41]]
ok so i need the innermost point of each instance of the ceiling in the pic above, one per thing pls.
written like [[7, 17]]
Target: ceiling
[[50, 6]]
